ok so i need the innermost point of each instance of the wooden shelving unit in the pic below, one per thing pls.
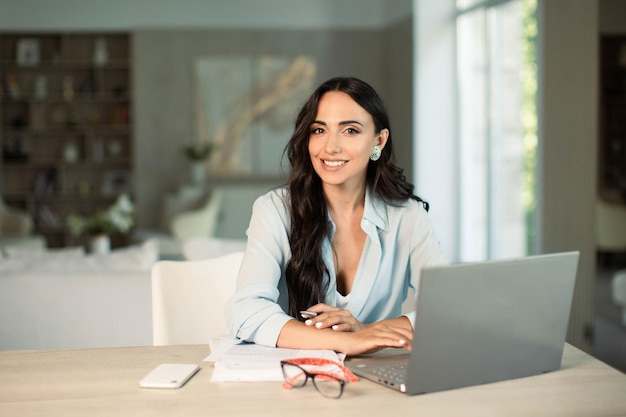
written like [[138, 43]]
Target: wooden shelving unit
[[612, 149], [65, 125]]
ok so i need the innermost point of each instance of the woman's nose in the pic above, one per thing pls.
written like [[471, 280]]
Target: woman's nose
[[333, 143]]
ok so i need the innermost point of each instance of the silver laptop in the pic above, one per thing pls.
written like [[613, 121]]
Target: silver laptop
[[481, 322]]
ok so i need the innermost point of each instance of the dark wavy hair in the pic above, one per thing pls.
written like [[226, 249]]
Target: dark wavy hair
[[305, 269]]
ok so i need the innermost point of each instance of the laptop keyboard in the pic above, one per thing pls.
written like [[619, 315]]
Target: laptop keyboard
[[392, 373]]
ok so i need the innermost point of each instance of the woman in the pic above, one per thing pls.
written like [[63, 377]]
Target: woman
[[346, 238]]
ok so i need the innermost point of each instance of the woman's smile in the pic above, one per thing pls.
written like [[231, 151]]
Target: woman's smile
[[333, 164]]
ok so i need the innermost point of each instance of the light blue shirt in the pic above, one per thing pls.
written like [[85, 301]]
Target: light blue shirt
[[400, 242]]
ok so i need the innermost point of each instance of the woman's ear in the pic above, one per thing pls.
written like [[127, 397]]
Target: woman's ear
[[383, 135]]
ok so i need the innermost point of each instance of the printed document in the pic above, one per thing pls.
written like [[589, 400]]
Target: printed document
[[239, 361]]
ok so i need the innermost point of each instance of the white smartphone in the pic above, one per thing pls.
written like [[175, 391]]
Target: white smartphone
[[169, 375]]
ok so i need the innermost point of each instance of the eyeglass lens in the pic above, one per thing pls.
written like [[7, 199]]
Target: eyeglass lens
[[325, 384], [328, 386], [294, 375]]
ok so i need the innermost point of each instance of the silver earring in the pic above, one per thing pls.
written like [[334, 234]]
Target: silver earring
[[375, 153]]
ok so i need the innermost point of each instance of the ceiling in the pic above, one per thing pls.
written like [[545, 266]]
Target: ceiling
[[98, 15]]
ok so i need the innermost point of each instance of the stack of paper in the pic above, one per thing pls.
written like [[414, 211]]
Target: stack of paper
[[239, 361]]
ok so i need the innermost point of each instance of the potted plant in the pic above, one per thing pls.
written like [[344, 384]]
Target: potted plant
[[118, 218], [197, 153]]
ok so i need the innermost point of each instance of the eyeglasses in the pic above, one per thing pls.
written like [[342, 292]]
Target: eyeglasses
[[329, 379]]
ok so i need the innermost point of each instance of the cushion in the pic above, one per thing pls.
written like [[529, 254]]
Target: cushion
[[34, 253], [35, 241], [136, 258], [139, 257]]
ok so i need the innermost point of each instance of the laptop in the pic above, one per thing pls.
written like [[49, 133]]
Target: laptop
[[481, 322]]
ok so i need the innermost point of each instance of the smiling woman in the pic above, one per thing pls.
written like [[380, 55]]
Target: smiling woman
[[317, 244]]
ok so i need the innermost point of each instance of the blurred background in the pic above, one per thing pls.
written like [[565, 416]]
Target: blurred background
[[508, 116]]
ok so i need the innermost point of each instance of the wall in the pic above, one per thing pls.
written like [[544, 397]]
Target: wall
[[568, 103], [612, 16], [397, 61], [163, 88], [95, 15], [435, 150]]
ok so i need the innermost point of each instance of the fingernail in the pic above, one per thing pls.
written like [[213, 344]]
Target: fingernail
[[308, 322], [318, 324], [335, 326], [401, 341]]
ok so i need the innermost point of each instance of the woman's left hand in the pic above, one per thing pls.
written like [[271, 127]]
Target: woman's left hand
[[335, 318]]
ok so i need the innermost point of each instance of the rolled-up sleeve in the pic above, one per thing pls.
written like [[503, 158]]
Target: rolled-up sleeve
[[257, 311]]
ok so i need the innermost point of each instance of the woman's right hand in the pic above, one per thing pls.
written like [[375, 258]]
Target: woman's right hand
[[334, 318], [374, 337]]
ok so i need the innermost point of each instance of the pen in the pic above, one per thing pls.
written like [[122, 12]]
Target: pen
[[308, 314]]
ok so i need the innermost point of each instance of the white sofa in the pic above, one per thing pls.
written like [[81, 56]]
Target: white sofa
[[14, 222], [618, 291], [75, 310], [71, 300]]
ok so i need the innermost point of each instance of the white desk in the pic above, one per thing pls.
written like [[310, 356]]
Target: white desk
[[104, 382]]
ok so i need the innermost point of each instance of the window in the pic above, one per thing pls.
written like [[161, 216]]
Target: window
[[496, 127]]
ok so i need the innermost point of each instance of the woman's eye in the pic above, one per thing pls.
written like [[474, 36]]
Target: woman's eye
[[317, 131], [352, 131]]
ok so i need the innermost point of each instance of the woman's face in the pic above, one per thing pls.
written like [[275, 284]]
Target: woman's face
[[340, 140]]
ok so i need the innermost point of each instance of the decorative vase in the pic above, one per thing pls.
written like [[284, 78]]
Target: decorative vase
[[100, 53], [198, 173], [70, 152], [41, 87], [100, 244]]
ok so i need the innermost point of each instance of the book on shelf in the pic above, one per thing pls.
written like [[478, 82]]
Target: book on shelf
[[50, 217], [45, 183]]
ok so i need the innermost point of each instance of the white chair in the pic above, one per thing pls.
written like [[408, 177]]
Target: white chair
[[198, 248], [188, 299], [610, 226], [201, 222], [618, 291], [610, 221], [14, 222]]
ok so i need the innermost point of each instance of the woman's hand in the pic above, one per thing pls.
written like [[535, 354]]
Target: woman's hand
[[334, 318], [392, 333], [356, 337], [375, 337]]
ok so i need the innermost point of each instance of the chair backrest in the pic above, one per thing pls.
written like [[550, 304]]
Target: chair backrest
[[610, 226], [200, 222], [14, 222], [188, 299], [198, 248]]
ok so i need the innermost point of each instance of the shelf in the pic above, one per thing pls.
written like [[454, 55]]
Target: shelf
[[60, 198], [67, 65], [75, 130], [65, 95], [612, 124], [109, 163], [28, 166], [110, 97]]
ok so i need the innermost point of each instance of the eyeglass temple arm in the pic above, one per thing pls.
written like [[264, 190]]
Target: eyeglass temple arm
[[288, 383], [348, 375]]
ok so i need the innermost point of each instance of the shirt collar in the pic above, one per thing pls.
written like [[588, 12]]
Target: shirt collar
[[375, 210]]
